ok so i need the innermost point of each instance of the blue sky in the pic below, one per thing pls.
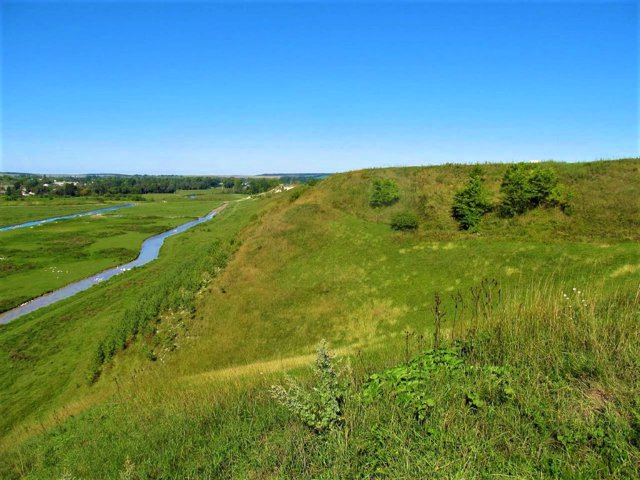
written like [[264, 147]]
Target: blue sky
[[253, 87]]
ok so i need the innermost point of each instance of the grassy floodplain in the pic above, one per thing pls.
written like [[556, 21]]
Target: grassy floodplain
[[13, 213], [36, 260], [534, 372]]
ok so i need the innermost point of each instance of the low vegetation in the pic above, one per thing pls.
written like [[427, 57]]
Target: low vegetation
[[404, 221], [173, 293], [486, 401]]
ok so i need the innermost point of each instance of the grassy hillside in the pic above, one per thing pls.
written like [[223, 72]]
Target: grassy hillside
[[533, 384], [46, 356], [604, 204]]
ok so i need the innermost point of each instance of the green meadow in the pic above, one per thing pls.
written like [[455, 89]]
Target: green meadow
[[513, 350], [12, 213], [36, 260]]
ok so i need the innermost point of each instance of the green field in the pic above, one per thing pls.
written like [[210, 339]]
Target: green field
[[13, 214], [518, 379], [36, 260]]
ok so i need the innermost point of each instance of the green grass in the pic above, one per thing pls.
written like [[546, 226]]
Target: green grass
[[28, 211], [555, 396], [543, 390], [43, 258], [46, 355]]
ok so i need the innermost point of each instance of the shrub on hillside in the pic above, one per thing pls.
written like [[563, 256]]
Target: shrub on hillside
[[384, 192], [472, 202], [321, 407], [295, 194], [404, 221], [523, 189]]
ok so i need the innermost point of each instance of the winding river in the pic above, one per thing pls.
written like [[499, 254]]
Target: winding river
[[149, 251], [64, 217]]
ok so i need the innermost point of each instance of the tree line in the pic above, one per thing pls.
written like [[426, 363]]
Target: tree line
[[17, 186]]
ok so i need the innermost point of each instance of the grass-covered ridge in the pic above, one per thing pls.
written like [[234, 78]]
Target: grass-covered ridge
[[604, 200], [539, 389]]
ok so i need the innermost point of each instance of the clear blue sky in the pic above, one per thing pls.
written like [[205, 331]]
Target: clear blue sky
[[241, 87]]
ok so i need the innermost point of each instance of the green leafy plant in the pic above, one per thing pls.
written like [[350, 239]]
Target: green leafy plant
[[409, 383], [320, 408]]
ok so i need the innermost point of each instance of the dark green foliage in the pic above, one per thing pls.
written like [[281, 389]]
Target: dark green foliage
[[409, 383], [404, 221], [294, 195], [130, 185], [384, 192], [472, 202], [524, 189]]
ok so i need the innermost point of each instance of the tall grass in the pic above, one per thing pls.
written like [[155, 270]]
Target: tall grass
[[530, 389], [566, 331]]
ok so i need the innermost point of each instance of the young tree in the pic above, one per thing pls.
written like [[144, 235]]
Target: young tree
[[384, 192], [472, 202], [524, 189]]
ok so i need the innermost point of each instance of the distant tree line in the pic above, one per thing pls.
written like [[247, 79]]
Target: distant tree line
[[17, 186]]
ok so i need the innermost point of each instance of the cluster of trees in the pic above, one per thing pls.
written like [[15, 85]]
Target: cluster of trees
[[472, 202], [522, 189], [251, 185], [16, 186]]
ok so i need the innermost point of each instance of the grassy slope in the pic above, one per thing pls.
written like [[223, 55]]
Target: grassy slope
[[46, 355], [40, 259], [328, 266]]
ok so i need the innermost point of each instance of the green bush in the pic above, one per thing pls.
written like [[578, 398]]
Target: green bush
[[524, 189], [384, 192], [321, 407], [404, 221], [472, 202], [295, 194]]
